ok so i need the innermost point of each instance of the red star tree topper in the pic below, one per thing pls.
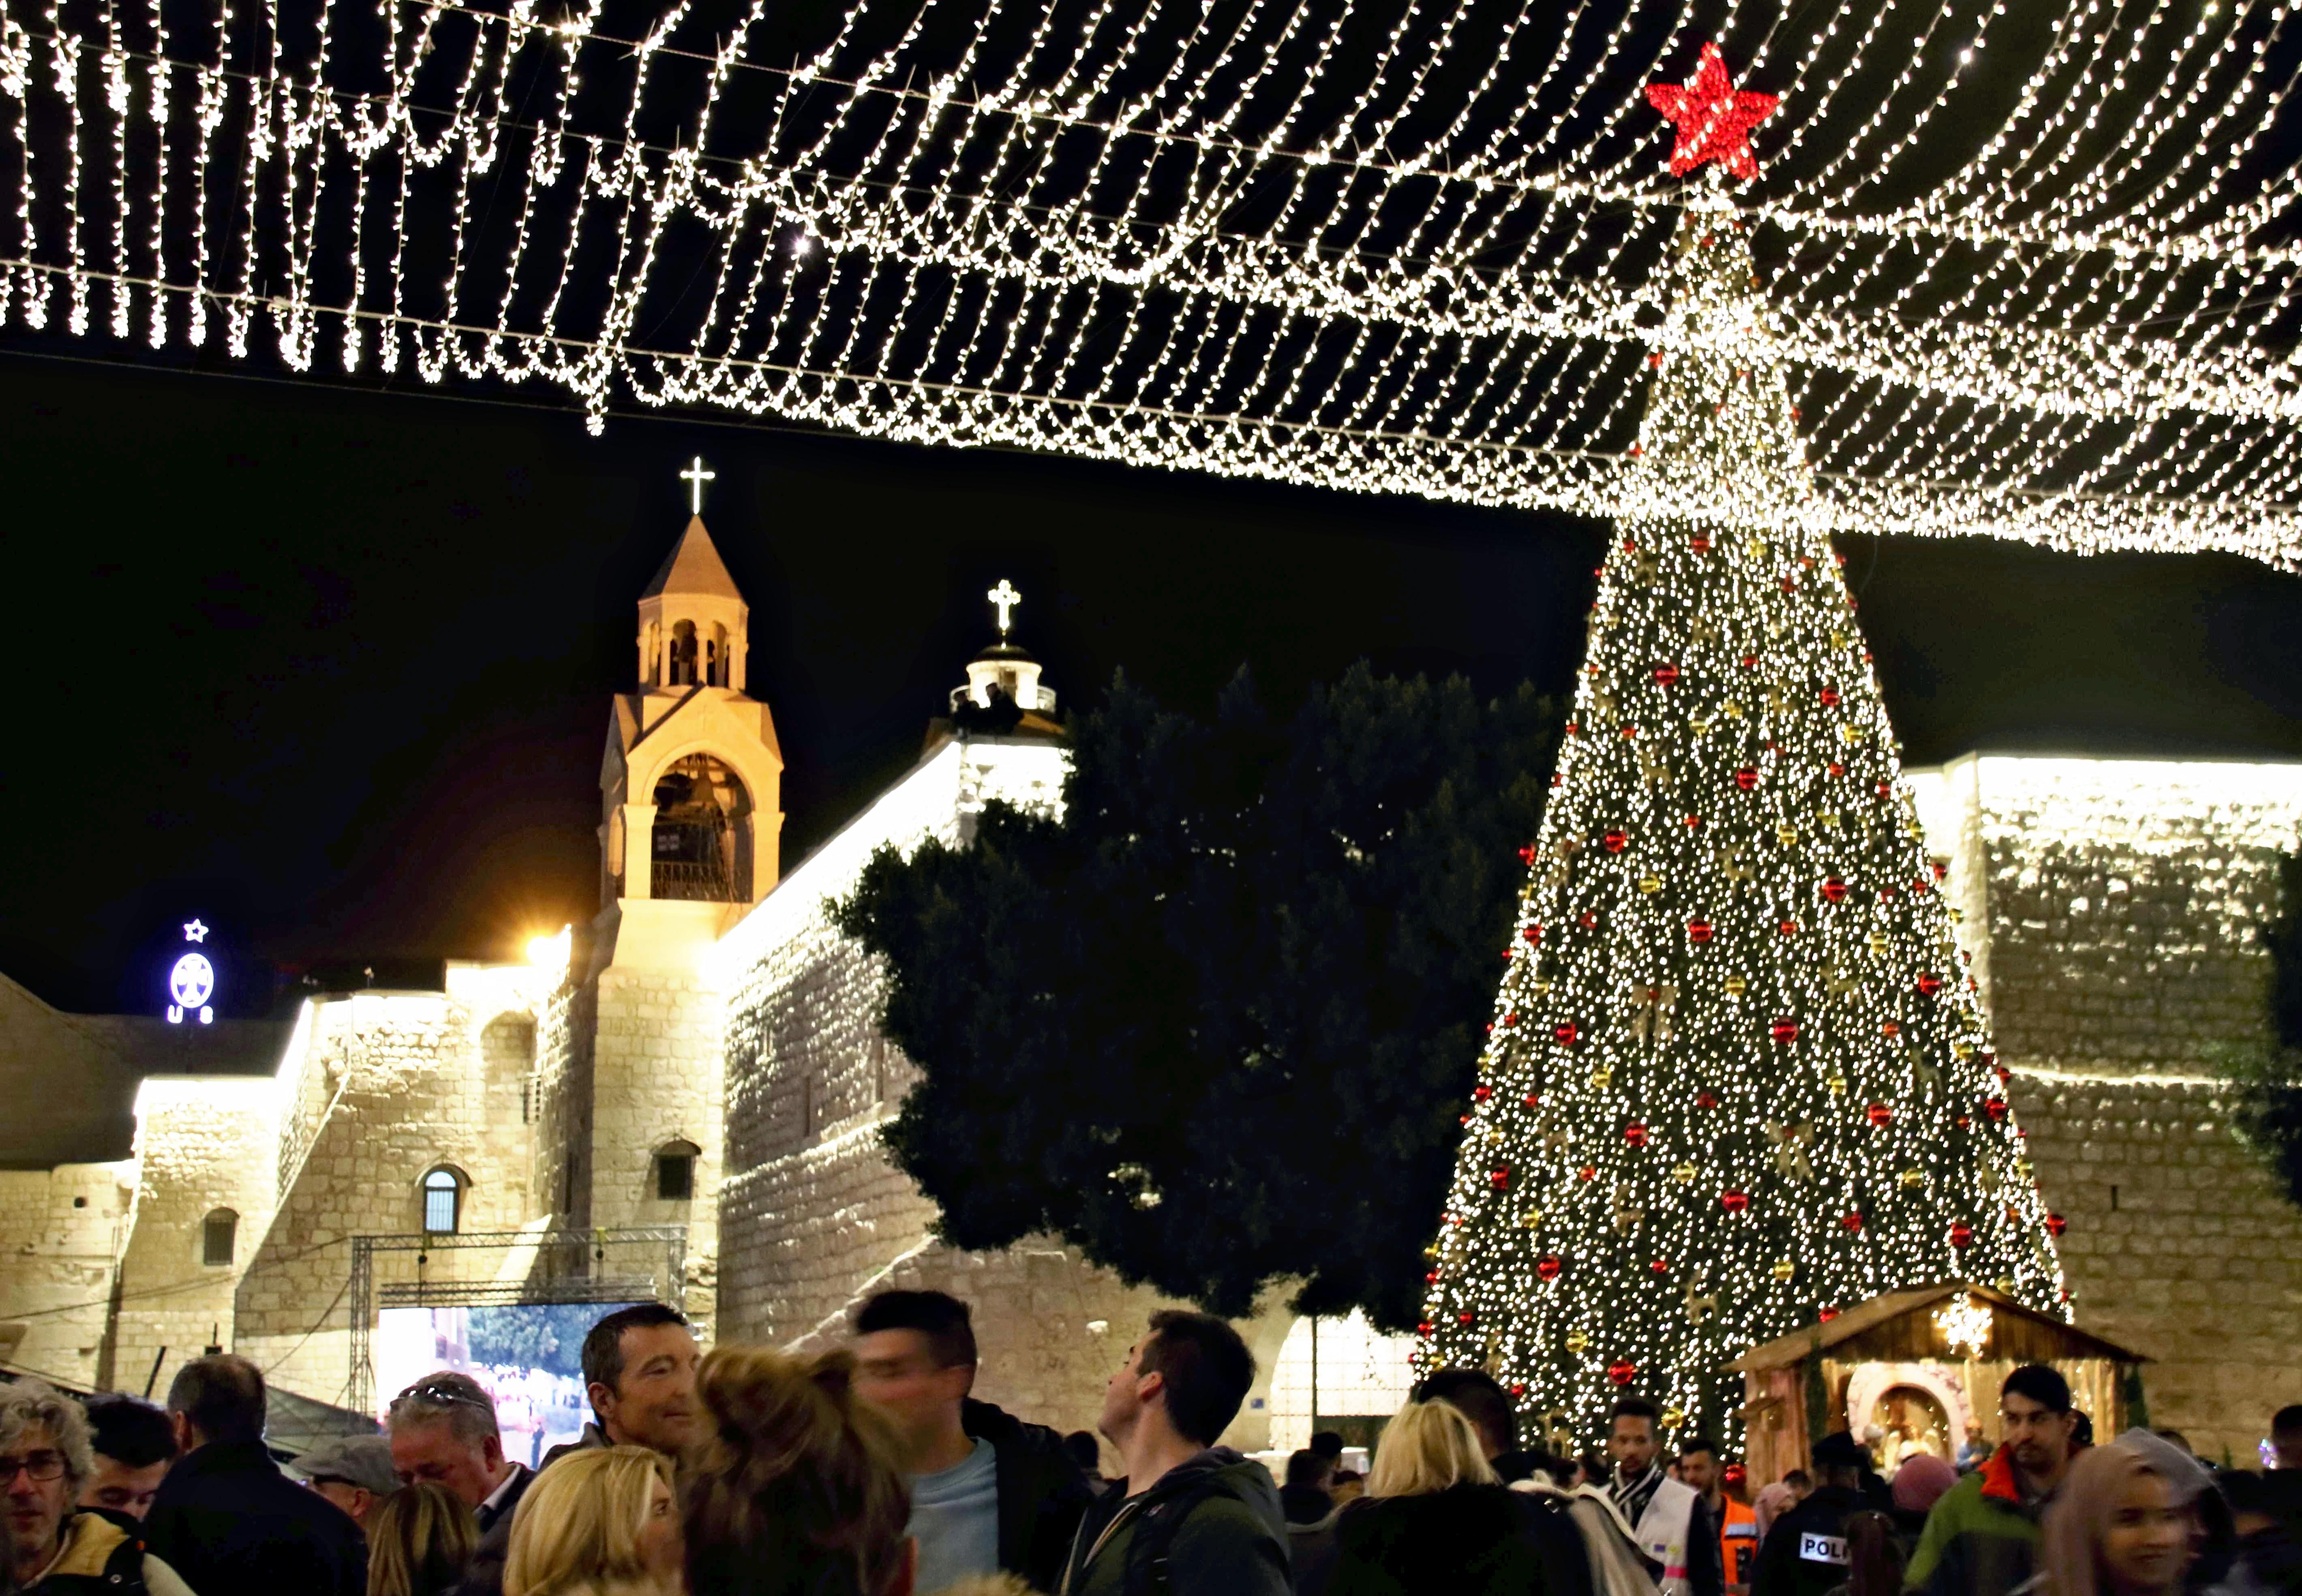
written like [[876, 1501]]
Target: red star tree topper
[[1713, 117]]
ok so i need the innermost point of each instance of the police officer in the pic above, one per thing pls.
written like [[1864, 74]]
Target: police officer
[[1805, 1552]]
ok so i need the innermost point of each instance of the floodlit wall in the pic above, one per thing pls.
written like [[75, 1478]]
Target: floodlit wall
[[64, 1229], [377, 1091], [2111, 909]]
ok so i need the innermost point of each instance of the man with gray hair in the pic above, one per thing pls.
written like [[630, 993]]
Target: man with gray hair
[[443, 1432], [46, 1458], [225, 1517]]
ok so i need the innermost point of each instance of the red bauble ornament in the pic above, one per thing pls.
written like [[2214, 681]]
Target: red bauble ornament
[[2056, 1224], [1706, 1100], [1518, 1390], [1430, 1279], [1548, 1268], [1423, 1330], [1587, 1172], [1941, 870], [1636, 1134], [1481, 1094], [1837, 768], [1833, 891], [1614, 842], [1995, 1107], [1789, 928], [1886, 789], [1622, 1370], [1853, 1224], [1694, 822], [2013, 1217], [1587, 919], [1655, 358], [1829, 696], [1919, 888], [1890, 1028], [1466, 1317], [1961, 1235], [1746, 778], [1527, 854], [1660, 1266], [1533, 933], [1501, 1178], [1879, 1115], [1667, 674], [1734, 1201], [1784, 1031], [1750, 662], [1565, 1035], [1930, 984], [1827, 1313], [1699, 931], [1698, 543], [1533, 1101]]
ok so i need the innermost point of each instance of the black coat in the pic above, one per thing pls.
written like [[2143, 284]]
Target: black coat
[[483, 1575], [1797, 1558], [1041, 1493], [1487, 1538], [227, 1519]]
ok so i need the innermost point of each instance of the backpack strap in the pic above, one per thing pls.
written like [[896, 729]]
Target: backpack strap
[[1156, 1525]]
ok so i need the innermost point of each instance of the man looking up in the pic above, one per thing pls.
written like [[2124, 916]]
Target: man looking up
[[443, 1432], [225, 1517], [989, 1493], [639, 1371], [134, 1445], [1982, 1537], [1205, 1513], [1675, 1531], [1699, 1465]]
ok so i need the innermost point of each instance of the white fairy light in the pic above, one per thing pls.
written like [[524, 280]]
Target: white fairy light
[[1965, 1325], [1418, 259]]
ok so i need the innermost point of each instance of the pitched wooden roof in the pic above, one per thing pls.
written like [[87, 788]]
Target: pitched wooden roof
[[1872, 1327]]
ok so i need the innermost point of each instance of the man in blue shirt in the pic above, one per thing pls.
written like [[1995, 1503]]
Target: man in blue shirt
[[989, 1493]]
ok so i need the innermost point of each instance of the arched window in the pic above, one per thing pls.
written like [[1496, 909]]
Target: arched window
[[219, 1237], [674, 1171], [443, 1202], [683, 654], [702, 839]]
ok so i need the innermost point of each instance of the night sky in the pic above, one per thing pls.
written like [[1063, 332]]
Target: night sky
[[329, 666]]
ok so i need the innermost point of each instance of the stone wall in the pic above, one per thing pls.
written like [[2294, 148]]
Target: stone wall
[[404, 1084], [64, 1231], [2113, 908], [205, 1145]]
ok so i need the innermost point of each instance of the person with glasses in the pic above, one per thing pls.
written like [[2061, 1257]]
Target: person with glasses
[[443, 1432], [55, 1547], [225, 1517]]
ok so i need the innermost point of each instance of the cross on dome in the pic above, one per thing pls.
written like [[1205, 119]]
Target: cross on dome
[[695, 476], [195, 932], [1003, 599], [1713, 117]]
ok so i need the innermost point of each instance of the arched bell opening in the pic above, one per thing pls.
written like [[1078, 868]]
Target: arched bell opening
[[701, 848]]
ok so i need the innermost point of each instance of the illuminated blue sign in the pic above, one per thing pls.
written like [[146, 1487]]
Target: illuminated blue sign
[[191, 981]]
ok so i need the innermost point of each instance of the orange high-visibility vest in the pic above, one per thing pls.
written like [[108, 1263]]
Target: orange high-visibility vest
[[1738, 1542]]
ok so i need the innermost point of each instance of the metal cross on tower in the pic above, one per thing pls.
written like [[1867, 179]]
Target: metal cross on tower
[[695, 476], [1003, 599]]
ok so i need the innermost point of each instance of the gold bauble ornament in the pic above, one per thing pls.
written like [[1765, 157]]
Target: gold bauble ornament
[[1735, 985], [1838, 1085], [1673, 1417], [1786, 834], [1785, 1269], [2005, 1283], [1963, 1050], [1683, 1174], [1650, 884], [1734, 710], [1530, 1218], [1880, 943], [1576, 1341], [1602, 1078], [1914, 1179]]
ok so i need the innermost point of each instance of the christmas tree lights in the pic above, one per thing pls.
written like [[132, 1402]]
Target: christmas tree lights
[[2030, 277], [1737, 1077]]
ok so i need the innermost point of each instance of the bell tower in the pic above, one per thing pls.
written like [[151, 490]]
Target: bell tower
[[691, 785]]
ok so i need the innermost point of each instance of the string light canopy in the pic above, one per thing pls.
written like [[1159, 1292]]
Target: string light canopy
[[2030, 270]]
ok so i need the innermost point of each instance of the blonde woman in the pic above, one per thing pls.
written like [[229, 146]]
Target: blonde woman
[[1435, 1519], [419, 1539], [597, 1524]]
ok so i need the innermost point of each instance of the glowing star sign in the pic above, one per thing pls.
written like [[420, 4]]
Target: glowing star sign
[[195, 932], [1003, 599], [1965, 1325], [695, 476], [191, 980], [1713, 117]]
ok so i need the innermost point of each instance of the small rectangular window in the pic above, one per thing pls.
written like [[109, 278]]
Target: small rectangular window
[[216, 1238], [674, 1177], [440, 1209]]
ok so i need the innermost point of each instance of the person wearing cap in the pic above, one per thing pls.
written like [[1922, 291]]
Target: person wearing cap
[[1806, 1553], [352, 1471]]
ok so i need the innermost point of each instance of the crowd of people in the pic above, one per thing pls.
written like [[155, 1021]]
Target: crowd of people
[[873, 1470]]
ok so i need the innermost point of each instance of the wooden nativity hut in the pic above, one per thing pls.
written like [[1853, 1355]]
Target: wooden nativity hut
[[1922, 1368]]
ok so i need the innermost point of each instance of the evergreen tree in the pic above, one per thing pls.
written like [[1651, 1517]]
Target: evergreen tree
[[1737, 1077]]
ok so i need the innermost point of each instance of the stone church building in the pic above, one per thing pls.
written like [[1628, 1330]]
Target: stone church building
[[682, 1099]]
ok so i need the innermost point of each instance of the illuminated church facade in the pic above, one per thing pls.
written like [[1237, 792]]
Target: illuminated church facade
[[682, 1100]]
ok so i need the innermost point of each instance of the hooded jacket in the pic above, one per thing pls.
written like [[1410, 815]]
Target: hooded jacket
[[1042, 1494], [1982, 1538], [1209, 1527], [1488, 1539]]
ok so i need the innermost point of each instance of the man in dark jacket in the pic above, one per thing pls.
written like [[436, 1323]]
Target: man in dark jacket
[[639, 1371], [989, 1493], [1191, 1516], [1805, 1553], [225, 1517], [443, 1432]]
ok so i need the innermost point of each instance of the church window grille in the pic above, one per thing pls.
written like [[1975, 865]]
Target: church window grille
[[675, 1171], [443, 1202], [219, 1238]]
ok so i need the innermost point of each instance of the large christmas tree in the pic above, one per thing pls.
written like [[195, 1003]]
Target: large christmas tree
[[1737, 1075]]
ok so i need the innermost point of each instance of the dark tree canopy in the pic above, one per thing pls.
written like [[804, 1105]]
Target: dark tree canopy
[[1216, 1026]]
